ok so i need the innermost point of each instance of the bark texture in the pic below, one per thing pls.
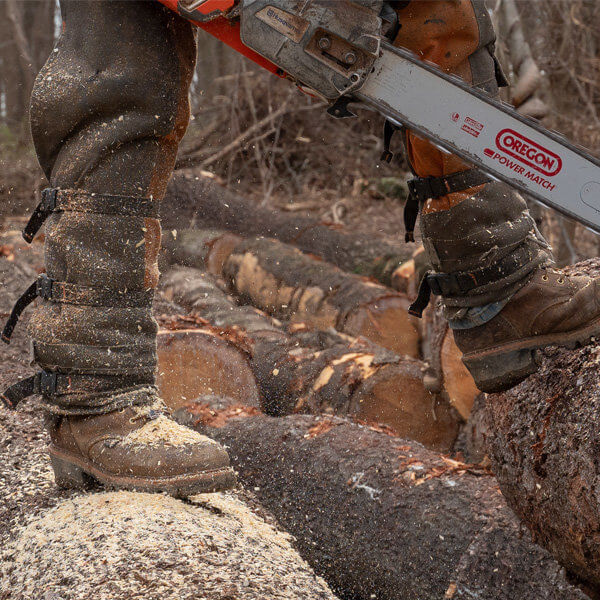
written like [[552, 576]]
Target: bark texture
[[299, 370], [290, 285], [195, 200], [544, 442], [379, 517]]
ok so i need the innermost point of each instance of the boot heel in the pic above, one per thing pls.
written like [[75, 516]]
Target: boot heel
[[503, 370], [69, 476]]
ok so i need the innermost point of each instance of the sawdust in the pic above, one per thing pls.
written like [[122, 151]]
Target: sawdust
[[123, 545], [163, 430]]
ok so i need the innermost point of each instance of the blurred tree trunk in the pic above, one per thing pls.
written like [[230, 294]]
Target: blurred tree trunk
[[27, 34]]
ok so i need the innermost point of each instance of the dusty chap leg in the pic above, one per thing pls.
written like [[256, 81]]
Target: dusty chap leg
[[107, 113]]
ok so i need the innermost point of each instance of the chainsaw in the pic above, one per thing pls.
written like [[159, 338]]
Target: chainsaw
[[336, 50]]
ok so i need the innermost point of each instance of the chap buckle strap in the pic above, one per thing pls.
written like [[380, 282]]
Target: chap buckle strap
[[461, 283], [52, 383], [44, 383], [69, 293], [57, 200], [422, 189]]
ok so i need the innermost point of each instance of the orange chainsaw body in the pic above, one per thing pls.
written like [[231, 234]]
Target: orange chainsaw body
[[210, 16]]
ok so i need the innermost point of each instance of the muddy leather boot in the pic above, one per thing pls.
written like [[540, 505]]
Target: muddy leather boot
[[501, 295], [108, 111], [551, 309]]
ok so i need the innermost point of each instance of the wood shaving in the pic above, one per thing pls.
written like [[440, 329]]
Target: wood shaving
[[125, 545], [163, 430]]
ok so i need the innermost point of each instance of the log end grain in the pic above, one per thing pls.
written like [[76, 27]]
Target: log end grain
[[458, 382], [396, 396], [385, 322], [192, 363]]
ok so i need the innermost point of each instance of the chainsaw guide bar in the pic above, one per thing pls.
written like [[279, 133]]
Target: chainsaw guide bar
[[485, 132]]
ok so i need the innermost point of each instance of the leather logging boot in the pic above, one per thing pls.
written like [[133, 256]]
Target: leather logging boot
[[138, 447], [501, 295], [108, 111], [551, 309]]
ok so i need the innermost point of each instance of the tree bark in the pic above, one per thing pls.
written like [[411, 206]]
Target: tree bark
[[299, 370], [379, 517], [544, 444], [199, 201], [290, 285]]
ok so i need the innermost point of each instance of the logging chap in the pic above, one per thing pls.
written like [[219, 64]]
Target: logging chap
[[107, 113]]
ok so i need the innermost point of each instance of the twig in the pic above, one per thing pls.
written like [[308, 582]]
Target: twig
[[241, 139]]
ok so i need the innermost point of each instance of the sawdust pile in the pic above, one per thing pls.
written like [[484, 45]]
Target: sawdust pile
[[123, 545]]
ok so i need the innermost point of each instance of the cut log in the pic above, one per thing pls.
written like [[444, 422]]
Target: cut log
[[544, 443], [196, 200], [299, 370], [445, 370], [195, 362], [290, 285], [379, 517]]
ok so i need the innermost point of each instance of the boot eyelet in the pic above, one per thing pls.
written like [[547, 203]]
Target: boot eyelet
[[545, 277], [561, 281]]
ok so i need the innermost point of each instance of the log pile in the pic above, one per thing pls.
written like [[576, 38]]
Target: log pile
[[197, 200], [381, 517], [293, 286], [300, 370]]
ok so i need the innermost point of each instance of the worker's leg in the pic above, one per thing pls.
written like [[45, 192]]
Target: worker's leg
[[489, 261], [108, 111]]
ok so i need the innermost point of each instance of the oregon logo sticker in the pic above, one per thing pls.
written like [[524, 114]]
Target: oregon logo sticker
[[292, 26], [528, 152]]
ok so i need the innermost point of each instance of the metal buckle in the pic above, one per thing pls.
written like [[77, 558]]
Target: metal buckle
[[434, 284], [421, 188], [43, 287], [45, 383]]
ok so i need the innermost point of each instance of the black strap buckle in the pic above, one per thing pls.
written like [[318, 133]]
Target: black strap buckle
[[44, 287], [46, 206], [44, 383], [389, 129]]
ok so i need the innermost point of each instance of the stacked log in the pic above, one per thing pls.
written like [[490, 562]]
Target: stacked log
[[300, 370], [379, 517], [198, 199], [293, 286], [198, 361]]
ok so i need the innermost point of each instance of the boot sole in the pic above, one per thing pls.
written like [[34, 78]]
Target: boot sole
[[72, 472], [499, 368]]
